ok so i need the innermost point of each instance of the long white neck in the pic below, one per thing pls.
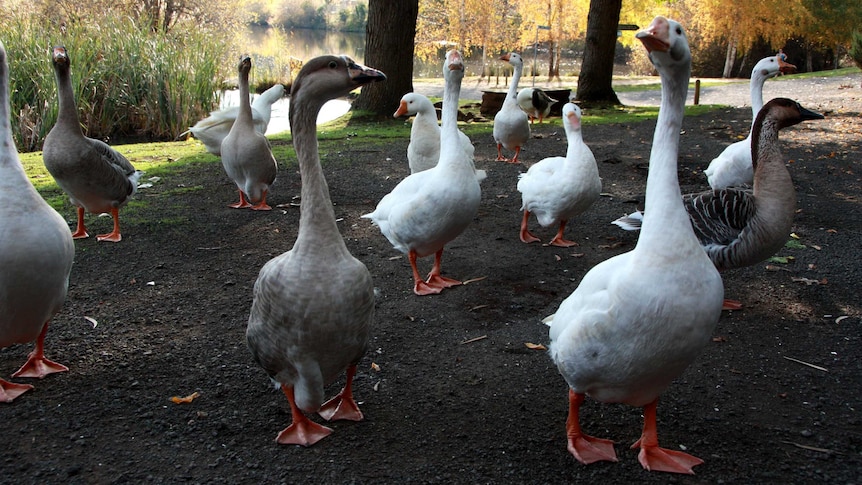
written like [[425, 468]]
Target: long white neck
[[512, 95], [244, 102], [449, 133], [666, 224]]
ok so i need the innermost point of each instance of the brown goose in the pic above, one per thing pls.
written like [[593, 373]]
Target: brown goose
[[36, 252], [245, 153], [740, 227], [96, 177], [313, 305]]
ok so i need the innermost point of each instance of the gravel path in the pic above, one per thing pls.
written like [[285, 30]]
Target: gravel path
[[819, 93]]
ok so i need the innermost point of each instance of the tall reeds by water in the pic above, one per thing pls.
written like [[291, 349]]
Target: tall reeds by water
[[128, 80]]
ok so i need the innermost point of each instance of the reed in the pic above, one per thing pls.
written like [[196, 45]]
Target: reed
[[128, 81]]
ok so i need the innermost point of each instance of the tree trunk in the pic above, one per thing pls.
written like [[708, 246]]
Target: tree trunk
[[729, 57], [389, 37], [597, 71]]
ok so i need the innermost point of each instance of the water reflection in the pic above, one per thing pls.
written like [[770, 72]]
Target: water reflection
[[280, 122]]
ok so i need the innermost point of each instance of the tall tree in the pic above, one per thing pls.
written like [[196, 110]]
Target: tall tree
[[389, 39], [597, 71]]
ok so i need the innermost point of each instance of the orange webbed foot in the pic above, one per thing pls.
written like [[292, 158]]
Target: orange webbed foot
[[339, 408], [10, 390], [562, 243], [303, 432], [39, 367], [731, 305], [654, 458], [528, 237], [589, 449], [442, 282], [80, 234], [261, 207], [110, 237], [422, 288]]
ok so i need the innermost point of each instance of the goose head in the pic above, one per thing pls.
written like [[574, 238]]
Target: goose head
[[571, 117], [60, 57], [513, 58], [332, 76], [666, 42], [410, 104], [788, 112], [769, 67], [244, 66], [453, 68]]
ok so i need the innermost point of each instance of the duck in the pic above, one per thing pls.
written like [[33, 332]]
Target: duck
[[558, 188], [732, 167], [535, 102], [245, 153], [428, 209], [212, 129], [637, 320], [36, 256], [423, 151], [511, 125], [313, 306], [96, 177]]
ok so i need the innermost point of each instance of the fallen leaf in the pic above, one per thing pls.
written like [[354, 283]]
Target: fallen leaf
[[94, 322], [533, 346], [375, 367], [837, 320], [557, 257], [719, 338], [185, 400]]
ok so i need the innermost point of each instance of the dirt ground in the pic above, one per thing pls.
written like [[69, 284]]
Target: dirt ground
[[458, 396]]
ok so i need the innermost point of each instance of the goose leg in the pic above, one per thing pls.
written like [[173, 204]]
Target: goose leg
[[113, 236], [515, 158], [342, 406], [586, 449], [80, 231], [652, 457], [559, 240], [434, 279], [420, 287], [37, 365], [500, 157], [526, 235], [302, 431], [10, 390], [242, 204], [262, 205]]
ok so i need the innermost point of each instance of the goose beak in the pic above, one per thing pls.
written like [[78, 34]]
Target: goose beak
[[785, 67], [505, 57], [402, 108], [656, 37], [60, 55], [806, 114], [364, 75]]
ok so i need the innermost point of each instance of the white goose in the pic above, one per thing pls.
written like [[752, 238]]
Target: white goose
[[559, 188], [428, 209], [637, 320], [733, 166], [36, 253], [313, 305], [535, 102], [423, 151], [245, 152], [511, 125], [96, 177], [212, 129]]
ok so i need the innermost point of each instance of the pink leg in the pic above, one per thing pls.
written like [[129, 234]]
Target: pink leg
[[434, 279], [517, 154], [80, 231], [526, 235], [500, 157], [113, 236], [559, 240], [261, 206], [242, 204], [37, 365], [586, 449], [652, 457], [342, 406], [420, 287], [302, 431]]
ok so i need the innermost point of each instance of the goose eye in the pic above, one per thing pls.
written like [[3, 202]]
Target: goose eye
[[679, 31], [333, 64]]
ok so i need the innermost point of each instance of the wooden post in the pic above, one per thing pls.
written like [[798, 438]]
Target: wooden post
[[697, 92]]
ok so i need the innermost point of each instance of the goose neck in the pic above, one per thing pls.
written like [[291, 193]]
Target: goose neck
[[244, 101], [756, 93], [512, 95], [67, 114]]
